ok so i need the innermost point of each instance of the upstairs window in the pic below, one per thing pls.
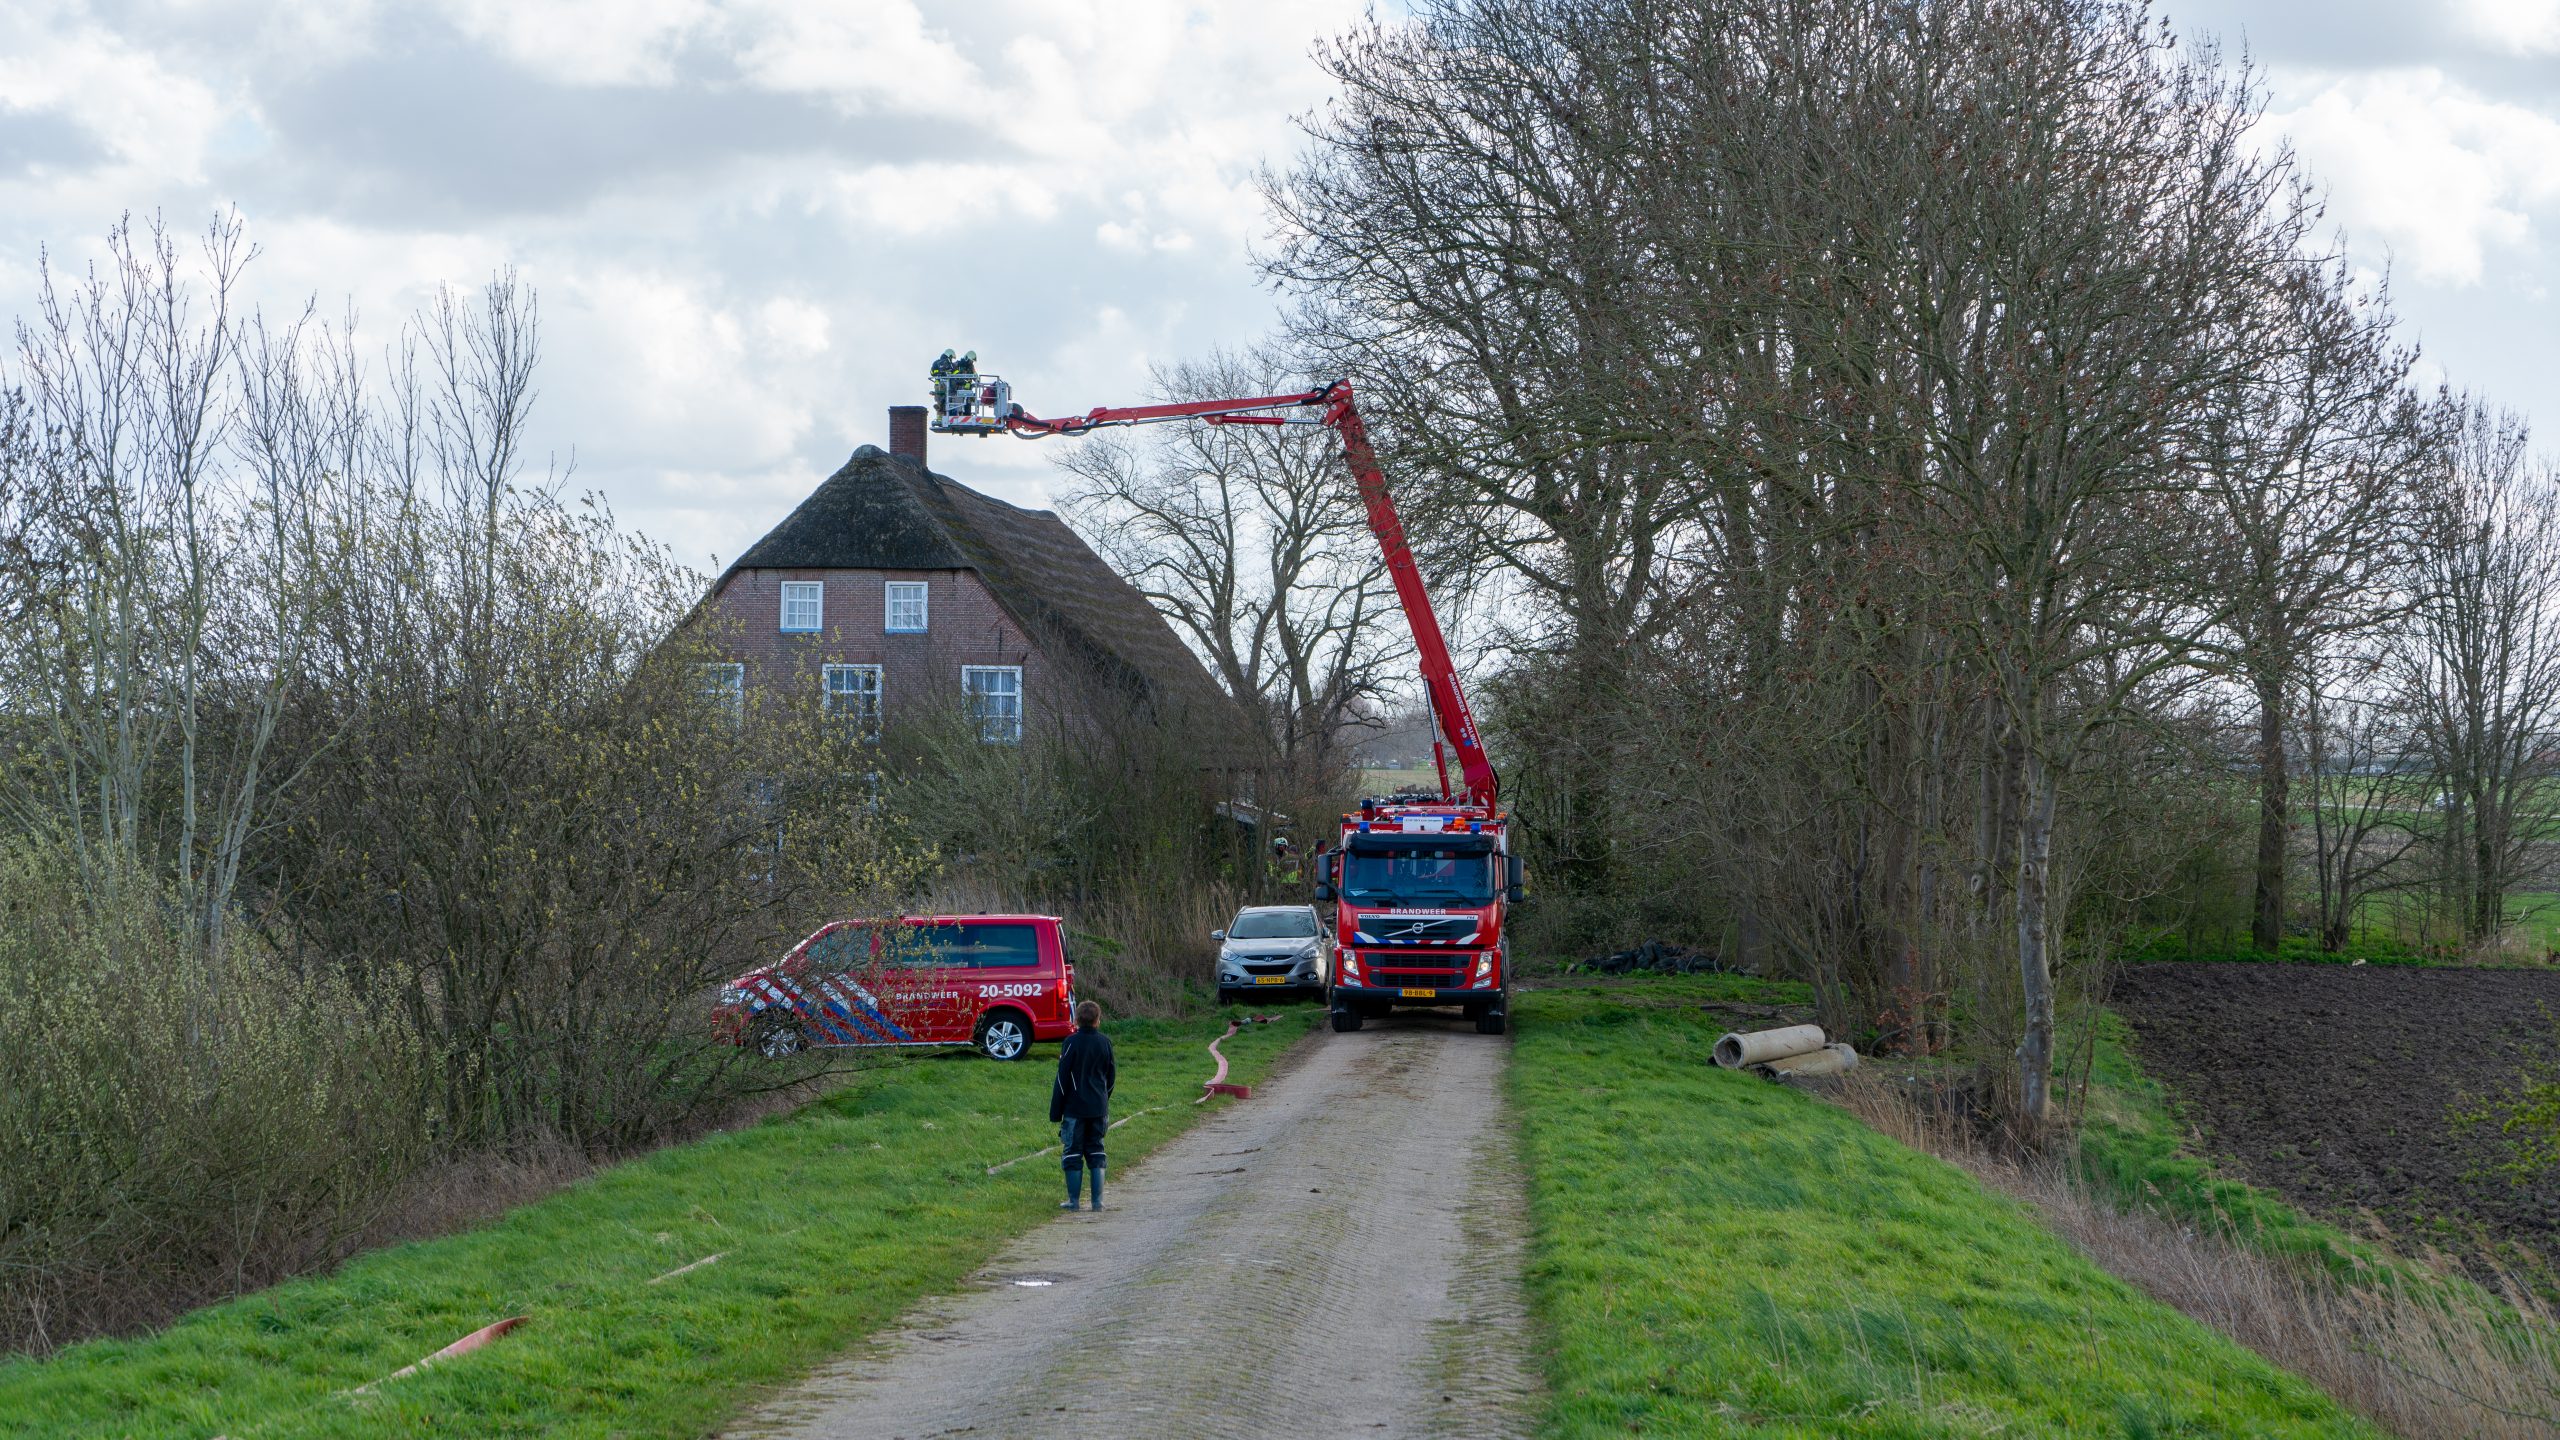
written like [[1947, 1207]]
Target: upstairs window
[[994, 693], [723, 686], [853, 695], [803, 604], [906, 607]]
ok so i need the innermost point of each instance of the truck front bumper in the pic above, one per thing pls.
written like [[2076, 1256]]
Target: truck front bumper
[[1421, 995]]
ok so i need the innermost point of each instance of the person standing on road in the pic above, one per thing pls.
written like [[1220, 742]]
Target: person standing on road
[[1080, 1101]]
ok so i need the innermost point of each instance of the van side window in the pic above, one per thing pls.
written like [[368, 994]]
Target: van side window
[[985, 947], [828, 954], [845, 948]]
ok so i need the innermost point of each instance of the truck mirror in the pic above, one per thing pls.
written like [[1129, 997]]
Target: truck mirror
[[1324, 890], [1515, 880]]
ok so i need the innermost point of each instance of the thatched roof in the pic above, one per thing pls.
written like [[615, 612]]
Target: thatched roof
[[870, 515], [887, 512]]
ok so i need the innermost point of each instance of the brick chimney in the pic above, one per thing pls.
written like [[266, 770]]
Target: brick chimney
[[906, 431]]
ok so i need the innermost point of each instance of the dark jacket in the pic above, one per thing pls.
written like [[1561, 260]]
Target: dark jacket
[[1085, 1078]]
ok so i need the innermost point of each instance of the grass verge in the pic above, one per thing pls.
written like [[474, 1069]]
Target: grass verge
[[828, 1221], [2420, 1351], [2131, 1146], [1717, 1255]]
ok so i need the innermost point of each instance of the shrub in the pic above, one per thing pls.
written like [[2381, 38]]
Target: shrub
[[175, 1124]]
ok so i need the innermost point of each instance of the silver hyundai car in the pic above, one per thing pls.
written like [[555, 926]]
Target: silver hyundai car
[[1270, 950]]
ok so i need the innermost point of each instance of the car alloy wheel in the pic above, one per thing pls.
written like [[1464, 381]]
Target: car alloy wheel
[[1004, 1037], [781, 1038]]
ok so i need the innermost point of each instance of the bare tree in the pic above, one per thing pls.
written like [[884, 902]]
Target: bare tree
[[1252, 541], [132, 385], [2366, 770], [1466, 234], [2314, 462], [1839, 385], [2480, 666]]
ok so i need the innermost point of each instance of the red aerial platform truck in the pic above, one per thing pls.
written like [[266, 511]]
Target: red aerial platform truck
[[1422, 883]]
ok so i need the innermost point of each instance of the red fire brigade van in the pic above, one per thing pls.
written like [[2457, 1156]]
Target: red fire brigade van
[[998, 982]]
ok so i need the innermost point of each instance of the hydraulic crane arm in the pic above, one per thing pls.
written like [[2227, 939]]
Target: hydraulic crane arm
[[968, 403]]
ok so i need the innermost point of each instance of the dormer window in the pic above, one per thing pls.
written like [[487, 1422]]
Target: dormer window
[[803, 605], [906, 607]]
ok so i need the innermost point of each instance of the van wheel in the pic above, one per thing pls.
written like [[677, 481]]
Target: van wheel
[[1004, 1035], [777, 1037]]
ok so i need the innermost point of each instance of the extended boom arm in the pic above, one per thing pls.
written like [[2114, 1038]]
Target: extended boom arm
[[968, 403]]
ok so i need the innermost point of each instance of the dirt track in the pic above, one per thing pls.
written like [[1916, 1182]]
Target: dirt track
[[1339, 1255]]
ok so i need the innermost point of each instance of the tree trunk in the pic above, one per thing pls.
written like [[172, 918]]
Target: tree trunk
[[2488, 884], [2275, 829], [2035, 958]]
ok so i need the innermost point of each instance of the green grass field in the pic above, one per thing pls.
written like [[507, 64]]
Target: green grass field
[[830, 1221], [2375, 940], [1387, 782], [1716, 1255]]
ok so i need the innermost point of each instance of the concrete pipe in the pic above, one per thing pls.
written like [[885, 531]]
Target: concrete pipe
[[1762, 1046], [1833, 1059]]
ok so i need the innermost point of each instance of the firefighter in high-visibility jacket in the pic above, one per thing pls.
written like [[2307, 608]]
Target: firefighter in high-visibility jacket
[[1080, 1102]]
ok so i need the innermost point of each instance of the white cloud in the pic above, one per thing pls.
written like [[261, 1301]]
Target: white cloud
[[586, 42], [151, 117], [869, 56], [2442, 174], [2518, 27], [732, 299]]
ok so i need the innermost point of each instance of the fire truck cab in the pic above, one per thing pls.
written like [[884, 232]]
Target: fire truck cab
[[1420, 889]]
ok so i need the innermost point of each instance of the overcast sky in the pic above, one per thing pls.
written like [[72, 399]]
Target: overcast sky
[[753, 223]]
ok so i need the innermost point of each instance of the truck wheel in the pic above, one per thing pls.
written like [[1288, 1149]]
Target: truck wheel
[[1345, 1019], [1491, 1024], [1004, 1035], [777, 1037]]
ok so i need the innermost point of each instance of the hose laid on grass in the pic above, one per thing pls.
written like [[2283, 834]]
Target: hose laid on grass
[[1217, 1084], [1052, 1149], [463, 1346]]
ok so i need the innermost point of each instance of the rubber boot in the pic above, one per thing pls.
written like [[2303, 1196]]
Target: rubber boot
[[1075, 1187], [1097, 1187]]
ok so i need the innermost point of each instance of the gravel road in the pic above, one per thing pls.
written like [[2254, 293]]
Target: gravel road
[[1339, 1255]]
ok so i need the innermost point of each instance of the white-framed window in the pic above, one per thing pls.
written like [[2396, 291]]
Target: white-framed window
[[994, 693], [853, 692], [804, 604], [906, 607], [722, 685]]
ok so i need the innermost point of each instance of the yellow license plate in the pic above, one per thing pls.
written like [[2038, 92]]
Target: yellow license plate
[[1420, 994], [1270, 979]]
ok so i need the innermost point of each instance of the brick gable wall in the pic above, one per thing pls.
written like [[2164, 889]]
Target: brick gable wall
[[964, 625]]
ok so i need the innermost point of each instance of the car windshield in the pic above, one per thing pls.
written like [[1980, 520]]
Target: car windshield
[[1274, 925], [1400, 877]]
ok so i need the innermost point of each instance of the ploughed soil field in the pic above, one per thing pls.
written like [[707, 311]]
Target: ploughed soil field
[[2336, 1087]]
